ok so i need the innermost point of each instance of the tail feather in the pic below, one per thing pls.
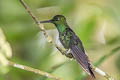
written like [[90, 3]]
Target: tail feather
[[82, 59], [91, 72]]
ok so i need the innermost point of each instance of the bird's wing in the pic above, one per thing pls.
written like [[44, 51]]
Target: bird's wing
[[81, 59], [78, 52]]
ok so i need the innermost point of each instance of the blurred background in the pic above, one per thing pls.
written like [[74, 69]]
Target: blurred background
[[96, 22]]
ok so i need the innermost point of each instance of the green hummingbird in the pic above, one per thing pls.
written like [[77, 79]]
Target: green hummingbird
[[71, 42]]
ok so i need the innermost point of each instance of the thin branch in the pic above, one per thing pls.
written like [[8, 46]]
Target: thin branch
[[102, 73], [54, 68], [100, 61], [49, 39], [35, 19], [27, 68]]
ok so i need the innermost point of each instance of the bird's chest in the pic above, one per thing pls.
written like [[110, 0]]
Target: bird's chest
[[65, 39]]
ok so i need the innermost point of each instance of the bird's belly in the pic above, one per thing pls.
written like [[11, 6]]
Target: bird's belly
[[64, 42]]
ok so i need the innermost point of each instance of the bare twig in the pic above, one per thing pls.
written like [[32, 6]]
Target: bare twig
[[100, 61], [36, 21], [6, 52], [103, 59], [102, 73], [27, 68], [49, 39]]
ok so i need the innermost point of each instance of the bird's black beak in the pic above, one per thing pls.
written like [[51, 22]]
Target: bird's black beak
[[48, 21]]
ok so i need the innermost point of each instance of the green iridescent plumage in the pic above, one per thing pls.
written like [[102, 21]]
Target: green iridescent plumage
[[71, 42]]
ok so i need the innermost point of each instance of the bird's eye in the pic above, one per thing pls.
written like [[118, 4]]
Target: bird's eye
[[57, 19]]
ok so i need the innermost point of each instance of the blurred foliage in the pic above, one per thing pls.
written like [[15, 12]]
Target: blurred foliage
[[97, 23], [5, 53]]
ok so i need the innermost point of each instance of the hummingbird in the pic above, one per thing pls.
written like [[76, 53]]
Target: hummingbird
[[71, 42]]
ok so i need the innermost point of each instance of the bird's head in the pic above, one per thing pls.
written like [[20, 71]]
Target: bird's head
[[58, 19]]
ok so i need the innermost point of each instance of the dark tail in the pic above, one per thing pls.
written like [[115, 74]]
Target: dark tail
[[91, 72]]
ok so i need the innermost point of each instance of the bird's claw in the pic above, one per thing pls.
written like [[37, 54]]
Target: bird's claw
[[68, 53]]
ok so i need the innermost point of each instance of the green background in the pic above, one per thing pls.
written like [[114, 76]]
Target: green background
[[96, 22]]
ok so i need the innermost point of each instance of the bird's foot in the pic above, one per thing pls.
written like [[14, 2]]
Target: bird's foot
[[68, 53]]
